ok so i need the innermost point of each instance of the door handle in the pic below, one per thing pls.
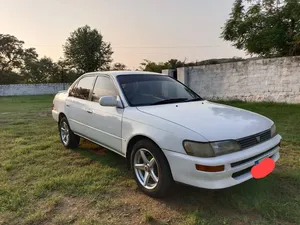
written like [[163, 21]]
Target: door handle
[[89, 111], [68, 105]]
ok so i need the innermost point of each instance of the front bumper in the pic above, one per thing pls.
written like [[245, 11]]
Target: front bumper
[[55, 115], [237, 165]]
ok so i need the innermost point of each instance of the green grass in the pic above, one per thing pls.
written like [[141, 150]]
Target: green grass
[[43, 183]]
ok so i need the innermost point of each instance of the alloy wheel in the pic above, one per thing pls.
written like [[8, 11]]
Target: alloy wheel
[[64, 133], [146, 168]]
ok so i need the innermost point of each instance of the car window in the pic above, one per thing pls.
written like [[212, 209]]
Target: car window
[[83, 88], [142, 90], [103, 87], [72, 90]]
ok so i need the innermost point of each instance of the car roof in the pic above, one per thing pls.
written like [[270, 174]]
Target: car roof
[[117, 73]]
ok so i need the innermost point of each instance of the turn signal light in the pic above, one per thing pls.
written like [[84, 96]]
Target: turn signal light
[[210, 168]]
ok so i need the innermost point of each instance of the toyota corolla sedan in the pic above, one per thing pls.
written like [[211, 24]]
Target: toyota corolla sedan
[[167, 132]]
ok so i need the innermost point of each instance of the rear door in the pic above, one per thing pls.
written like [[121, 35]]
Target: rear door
[[77, 104], [105, 122]]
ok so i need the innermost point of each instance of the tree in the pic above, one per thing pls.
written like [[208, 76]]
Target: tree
[[21, 65], [10, 77], [41, 71], [148, 65], [11, 52], [86, 51], [119, 66], [265, 28], [174, 64], [12, 58], [65, 72]]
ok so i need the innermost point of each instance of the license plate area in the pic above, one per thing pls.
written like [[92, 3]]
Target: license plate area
[[261, 159]]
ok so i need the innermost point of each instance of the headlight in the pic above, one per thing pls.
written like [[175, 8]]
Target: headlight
[[225, 147], [207, 150], [273, 131], [198, 149]]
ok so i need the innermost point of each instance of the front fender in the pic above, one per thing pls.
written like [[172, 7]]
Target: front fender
[[167, 135]]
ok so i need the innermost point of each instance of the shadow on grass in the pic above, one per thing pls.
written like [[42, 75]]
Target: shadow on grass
[[101, 155], [272, 199]]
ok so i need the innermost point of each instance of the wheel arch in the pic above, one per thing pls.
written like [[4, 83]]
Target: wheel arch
[[60, 116], [133, 140]]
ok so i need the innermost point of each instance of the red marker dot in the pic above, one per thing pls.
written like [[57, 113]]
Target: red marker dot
[[263, 169]]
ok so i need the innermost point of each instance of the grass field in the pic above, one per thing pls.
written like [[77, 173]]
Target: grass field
[[43, 183]]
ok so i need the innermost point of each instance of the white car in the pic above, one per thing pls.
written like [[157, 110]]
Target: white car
[[166, 132]]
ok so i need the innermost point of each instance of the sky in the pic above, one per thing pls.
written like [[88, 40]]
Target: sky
[[157, 30]]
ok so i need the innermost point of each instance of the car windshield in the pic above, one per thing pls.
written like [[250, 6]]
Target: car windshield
[[143, 90]]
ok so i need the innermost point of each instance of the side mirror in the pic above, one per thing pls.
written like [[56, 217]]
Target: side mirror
[[110, 101]]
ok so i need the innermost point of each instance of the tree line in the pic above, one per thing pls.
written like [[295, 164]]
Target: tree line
[[265, 28], [262, 28], [84, 51]]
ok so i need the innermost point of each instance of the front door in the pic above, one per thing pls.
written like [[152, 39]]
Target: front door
[[105, 122]]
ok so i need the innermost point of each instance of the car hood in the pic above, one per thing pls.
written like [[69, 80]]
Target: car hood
[[211, 120]]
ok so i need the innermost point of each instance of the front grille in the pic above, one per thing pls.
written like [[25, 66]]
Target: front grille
[[235, 164], [244, 171], [250, 141]]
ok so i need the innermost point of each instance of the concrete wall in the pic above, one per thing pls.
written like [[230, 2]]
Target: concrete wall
[[167, 72], [276, 79], [32, 89]]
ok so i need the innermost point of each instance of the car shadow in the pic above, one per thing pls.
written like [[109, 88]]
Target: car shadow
[[248, 197], [101, 155]]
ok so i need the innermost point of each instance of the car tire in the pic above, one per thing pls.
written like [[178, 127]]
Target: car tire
[[151, 169], [67, 137]]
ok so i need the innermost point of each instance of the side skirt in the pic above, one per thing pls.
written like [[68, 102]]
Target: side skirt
[[113, 150]]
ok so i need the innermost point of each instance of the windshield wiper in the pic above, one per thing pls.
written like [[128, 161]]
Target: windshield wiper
[[171, 100], [194, 100]]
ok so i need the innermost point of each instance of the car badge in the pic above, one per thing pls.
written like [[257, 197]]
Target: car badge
[[258, 138]]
